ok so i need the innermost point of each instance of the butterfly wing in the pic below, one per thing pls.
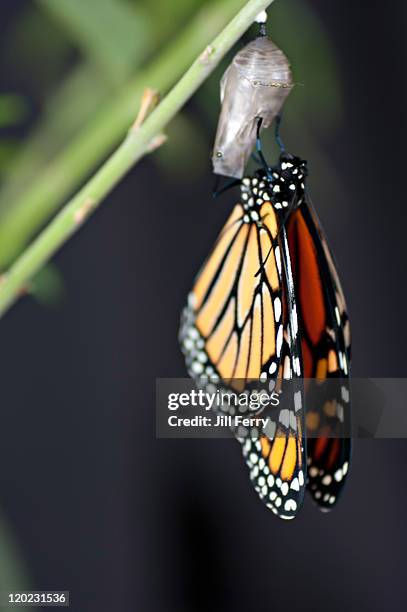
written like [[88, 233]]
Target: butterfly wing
[[326, 356], [240, 313], [232, 329], [276, 456]]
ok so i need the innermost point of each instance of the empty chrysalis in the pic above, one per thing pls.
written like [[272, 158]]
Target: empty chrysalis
[[254, 86]]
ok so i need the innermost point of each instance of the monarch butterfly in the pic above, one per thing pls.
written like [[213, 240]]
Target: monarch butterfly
[[242, 324]]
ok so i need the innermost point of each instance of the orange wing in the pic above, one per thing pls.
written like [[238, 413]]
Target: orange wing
[[276, 455], [326, 356], [232, 326], [240, 328]]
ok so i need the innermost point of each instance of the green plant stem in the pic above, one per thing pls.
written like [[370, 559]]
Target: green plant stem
[[138, 142], [21, 218]]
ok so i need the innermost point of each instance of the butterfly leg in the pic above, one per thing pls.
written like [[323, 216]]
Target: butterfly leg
[[277, 134], [259, 150]]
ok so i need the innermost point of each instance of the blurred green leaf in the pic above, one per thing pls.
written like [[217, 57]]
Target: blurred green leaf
[[185, 153], [8, 150], [65, 113], [111, 32], [13, 109], [36, 50], [181, 12], [72, 104], [13, 575], [48, 286]]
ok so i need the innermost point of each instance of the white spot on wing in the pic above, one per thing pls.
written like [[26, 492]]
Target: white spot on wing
[[290, 505], [284, 417], [279, 340], [270, 429], [277, 255], [338, 475], [273, 367], [277, 308], [295, 485], [345, 394], [253, 458]]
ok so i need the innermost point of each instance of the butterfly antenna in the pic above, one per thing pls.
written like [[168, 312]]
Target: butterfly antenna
[[256, 158]]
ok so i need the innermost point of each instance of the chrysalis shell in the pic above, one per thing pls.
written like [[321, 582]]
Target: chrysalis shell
[[256, 84]]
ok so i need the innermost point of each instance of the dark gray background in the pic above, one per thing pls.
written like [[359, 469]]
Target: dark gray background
[[128, 522]]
